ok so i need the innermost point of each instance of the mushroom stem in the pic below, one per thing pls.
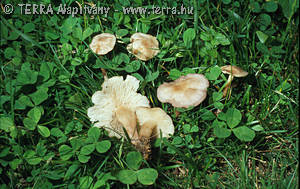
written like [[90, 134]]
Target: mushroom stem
[[144, 138], [165, 69], [177, 113], [229, 80], [143, 146], [104, 73], [227, 85]]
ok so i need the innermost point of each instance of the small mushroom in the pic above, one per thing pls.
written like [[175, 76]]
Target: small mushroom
[[153, 122], [143, 46], [189, 90], [233, 71], [115, 105], [103, 43]]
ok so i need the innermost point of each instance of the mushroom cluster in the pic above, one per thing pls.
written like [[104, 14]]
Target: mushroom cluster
[[143, 46], [118, 108]]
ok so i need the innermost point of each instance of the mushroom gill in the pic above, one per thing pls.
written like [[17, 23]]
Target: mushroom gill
[[115, 105]]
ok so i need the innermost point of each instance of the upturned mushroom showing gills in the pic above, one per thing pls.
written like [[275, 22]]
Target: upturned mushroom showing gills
[[233, 71], [115, 105], [189, 90], [143, 46], [103, 43]]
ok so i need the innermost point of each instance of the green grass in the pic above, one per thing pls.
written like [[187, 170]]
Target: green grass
[[48, 75]]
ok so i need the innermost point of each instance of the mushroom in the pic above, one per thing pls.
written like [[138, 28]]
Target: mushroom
[[189, 90], [103, 43], [233, 71], [153, 122], [115, 105], [143, 46]]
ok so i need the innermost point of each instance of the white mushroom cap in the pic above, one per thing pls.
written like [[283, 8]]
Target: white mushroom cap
[[115, 106], [234, 71], [143, 46], [189, 90], [103, 43], [154, 119]]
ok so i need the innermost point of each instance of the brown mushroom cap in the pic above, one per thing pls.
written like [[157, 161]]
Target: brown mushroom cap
[[234, 70], [143, 46], [152, 121], [103, 43], [189, 90]]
